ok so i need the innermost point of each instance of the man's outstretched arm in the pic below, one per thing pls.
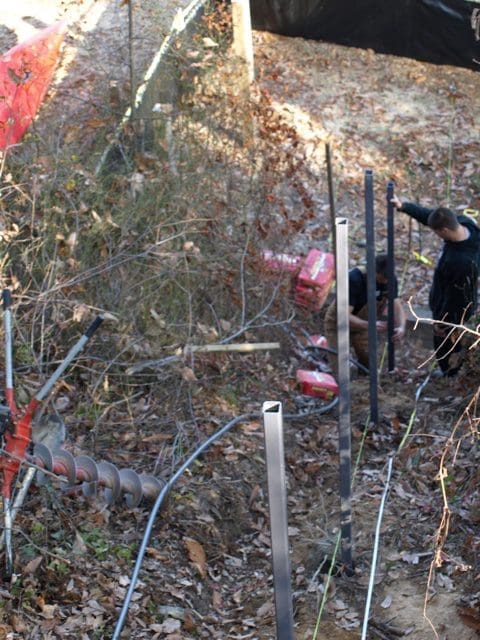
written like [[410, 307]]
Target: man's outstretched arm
[[413, 210]]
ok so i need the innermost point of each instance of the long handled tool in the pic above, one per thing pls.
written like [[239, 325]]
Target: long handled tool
[[16, 424]]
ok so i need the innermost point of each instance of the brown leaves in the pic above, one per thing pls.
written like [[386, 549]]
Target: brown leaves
[[470, 617], [33, 565], [197, 556], [188, 375], [48, 610], [6, 631]]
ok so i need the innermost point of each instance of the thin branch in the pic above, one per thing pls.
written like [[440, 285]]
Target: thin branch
[[41, 549]]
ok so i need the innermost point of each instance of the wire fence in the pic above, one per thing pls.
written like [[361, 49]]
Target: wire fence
[[159, 87]]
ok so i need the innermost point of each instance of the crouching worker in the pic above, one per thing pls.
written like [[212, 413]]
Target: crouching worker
[[358, 313]]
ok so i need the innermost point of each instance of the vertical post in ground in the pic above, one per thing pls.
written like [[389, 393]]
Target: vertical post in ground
[[372, 296], [331, 196], [131, 62], [242, 35], [6, 475], [390, 276], [277, 499], [344, 427], [243, 50]]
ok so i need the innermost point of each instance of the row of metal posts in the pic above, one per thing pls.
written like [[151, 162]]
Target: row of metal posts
[[272, 411], [272, 414]]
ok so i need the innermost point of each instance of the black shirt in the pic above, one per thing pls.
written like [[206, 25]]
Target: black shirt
[[358, 290], [453, 294]]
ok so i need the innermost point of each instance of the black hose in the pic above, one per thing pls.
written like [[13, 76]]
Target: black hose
[[330, 350], [312, 347], [153, 514]]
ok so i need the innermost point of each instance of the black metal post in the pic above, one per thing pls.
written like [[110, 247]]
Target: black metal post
[[372, 296], [390, 276], [344, 426], [331, 195], [277, 500]]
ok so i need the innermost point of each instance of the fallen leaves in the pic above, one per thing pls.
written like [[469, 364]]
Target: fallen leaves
[[197, 555], [33, 565]]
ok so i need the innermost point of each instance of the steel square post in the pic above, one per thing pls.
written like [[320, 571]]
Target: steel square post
[[344, 426], [372, 296], [277, 500], [390, 275]]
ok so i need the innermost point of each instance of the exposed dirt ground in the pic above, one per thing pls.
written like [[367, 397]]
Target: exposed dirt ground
[[415, 124], [207, 573]]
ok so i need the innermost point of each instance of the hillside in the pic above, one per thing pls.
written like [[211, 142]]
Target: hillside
[[168, 249]]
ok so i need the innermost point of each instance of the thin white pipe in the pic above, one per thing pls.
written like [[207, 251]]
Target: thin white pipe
[[375, 549], [19, 498]]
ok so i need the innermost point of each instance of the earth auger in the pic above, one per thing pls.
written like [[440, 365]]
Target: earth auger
[[80, 473]]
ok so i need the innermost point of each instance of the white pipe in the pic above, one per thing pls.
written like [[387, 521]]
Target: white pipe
[[375, 549]]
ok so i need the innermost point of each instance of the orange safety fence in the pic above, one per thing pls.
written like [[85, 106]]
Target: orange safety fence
[[25, 73]]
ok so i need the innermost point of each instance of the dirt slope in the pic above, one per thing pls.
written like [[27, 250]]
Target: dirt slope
[[415, 124], [208, 569]]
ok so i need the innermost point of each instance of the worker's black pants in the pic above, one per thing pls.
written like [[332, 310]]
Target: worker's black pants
[[448, 353]]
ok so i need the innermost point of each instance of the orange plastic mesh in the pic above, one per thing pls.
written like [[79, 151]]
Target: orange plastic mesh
[[25, 73]]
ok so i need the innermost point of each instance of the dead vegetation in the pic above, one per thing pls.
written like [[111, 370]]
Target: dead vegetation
[[168, 247]]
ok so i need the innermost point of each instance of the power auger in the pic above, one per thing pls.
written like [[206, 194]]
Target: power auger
[[83, 474], [80, 474]]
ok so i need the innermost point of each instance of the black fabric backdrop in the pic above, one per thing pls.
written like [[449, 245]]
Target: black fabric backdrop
[[431, 30]]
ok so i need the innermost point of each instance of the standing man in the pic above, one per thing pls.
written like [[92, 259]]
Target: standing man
[[453, 294], [358, 312]]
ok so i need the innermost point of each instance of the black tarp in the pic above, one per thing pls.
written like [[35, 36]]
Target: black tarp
[[442, 32]]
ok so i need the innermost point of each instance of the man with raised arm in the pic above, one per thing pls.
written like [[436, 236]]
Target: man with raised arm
[[453, 294]]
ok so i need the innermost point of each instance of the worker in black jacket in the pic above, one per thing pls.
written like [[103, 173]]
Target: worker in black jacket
[[358, 313], [453, 294]]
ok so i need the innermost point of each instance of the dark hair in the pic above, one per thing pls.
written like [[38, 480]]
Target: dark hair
[[442, 218], [381, 263]]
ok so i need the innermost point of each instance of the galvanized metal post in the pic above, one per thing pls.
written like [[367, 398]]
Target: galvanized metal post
[[277, 499], [391, 276], [344, 427], [7, 508], [372, 296]]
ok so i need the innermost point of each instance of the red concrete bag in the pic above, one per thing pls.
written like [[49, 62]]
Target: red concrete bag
[[283, 262], [315, 279], [317, 384]]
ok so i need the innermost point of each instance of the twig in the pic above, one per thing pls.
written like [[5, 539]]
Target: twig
[[242, 280], [383, 627], [261, 313], [153, 364], [452, 325], [32, 465], [42, 550], [443, 529]]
